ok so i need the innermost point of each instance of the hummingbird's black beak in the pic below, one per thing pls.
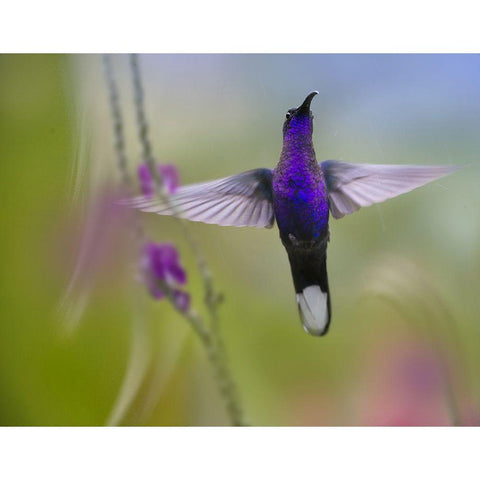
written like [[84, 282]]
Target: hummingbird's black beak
[[305, 106]]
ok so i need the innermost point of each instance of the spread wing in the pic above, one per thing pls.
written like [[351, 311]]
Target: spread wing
[[351, 186], [240, 200]]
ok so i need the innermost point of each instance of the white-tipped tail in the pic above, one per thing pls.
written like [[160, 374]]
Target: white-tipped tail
[[312, 303]]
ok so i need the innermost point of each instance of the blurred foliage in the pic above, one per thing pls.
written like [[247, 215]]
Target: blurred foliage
[[404, 275]]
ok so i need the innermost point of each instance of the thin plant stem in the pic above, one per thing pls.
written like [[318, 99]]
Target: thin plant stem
[[119, 144], [212, 299], [140, 354], [119, 136], [118, 133], [211, 338]]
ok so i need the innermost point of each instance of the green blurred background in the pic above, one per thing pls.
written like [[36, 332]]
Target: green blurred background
[[403, 348]]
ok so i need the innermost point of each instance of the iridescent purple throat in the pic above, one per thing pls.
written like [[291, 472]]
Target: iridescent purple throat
[[299, 192]]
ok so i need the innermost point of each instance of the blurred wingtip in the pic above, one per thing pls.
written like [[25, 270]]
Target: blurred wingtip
[[454, 168]]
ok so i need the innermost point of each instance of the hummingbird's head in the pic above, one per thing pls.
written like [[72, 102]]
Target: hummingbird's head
[[299, 121]]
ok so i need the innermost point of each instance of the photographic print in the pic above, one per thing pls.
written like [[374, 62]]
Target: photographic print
[[240, 240]]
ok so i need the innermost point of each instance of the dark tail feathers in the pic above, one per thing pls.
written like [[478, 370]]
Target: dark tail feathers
[[309, 271]]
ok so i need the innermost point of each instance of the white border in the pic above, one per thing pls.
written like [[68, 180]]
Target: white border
[[240, 27], [248, 453]]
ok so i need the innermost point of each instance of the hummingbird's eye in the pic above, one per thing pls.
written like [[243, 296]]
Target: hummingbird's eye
[[288, 115]]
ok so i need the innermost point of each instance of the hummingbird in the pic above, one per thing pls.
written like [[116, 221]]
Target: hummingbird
[[299, 194]]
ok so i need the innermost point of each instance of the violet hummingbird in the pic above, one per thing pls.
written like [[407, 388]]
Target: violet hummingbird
[[300, 194]]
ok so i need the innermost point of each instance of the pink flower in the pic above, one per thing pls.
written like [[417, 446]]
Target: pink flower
[[404, 384], [169, 174], [160, 265]]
